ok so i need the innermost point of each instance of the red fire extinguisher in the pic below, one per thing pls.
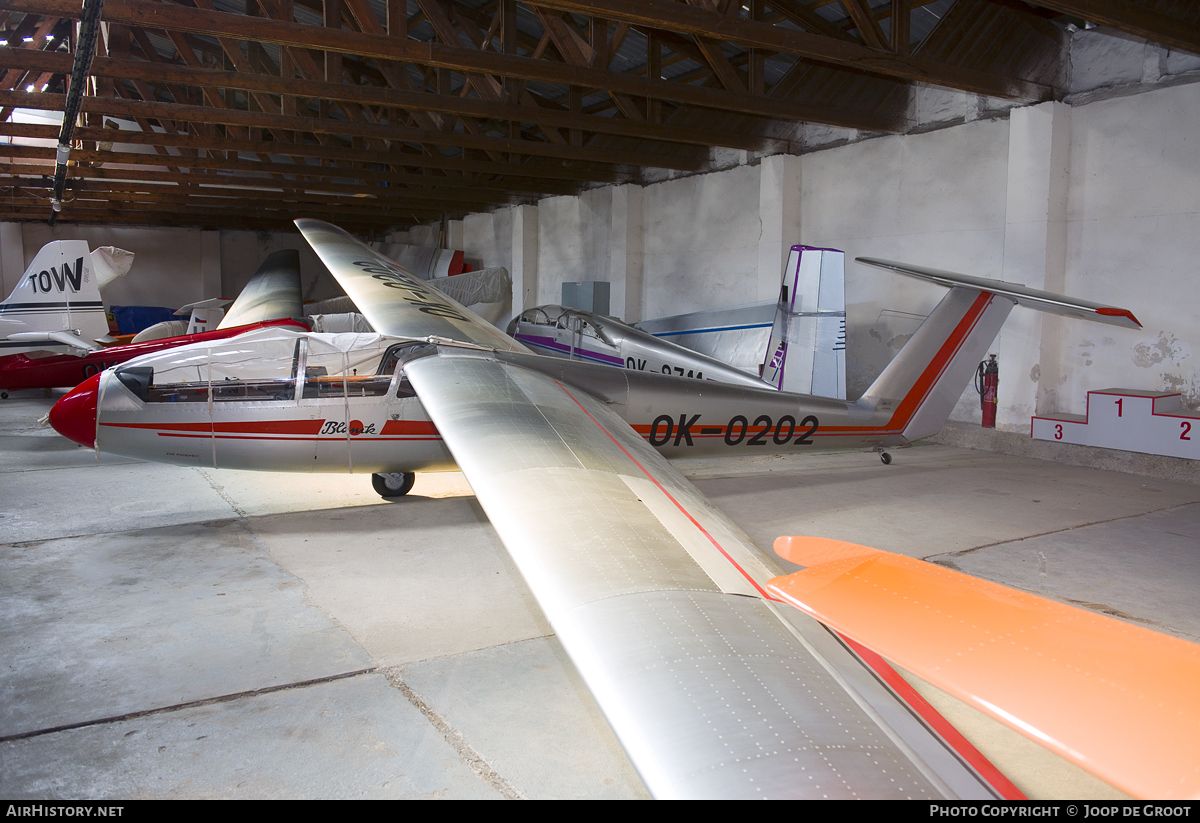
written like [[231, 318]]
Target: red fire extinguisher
[[987, 384]]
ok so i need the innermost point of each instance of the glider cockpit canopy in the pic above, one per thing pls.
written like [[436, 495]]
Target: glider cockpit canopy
[[270, 365], [561, 317]]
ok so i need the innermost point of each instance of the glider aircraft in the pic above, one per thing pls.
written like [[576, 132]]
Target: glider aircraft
[[577, 334], [804, 350], [715, 687], [271, 298]]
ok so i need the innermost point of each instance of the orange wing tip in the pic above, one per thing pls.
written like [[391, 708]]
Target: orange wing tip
[[1113, 312], [1115, 699], [813, 551]]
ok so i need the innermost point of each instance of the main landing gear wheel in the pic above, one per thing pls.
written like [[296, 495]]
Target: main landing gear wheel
[[885, 457], [393, 484]]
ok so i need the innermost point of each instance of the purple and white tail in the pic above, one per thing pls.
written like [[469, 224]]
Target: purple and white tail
[[806, 353]]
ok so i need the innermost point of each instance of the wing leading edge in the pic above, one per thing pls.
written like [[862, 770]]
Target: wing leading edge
[[393, 299], [659, 599]]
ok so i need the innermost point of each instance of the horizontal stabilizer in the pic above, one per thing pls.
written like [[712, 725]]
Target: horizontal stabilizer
[[1115, 699], [65, 337], [210, 303], [1021, 295]]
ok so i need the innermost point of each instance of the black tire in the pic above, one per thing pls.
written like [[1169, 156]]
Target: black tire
[[393, 484], [885, 457]]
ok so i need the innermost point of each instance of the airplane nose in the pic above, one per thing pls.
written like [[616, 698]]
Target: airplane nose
[[74, 415]]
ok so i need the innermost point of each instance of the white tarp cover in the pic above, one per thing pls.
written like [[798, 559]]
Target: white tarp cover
[[262, 354], [109, 263]]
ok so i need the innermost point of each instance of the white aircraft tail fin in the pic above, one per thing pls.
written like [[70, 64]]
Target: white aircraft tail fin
[[273, 293], [205, 315], [56, 305], [924, 381], [806, 353]]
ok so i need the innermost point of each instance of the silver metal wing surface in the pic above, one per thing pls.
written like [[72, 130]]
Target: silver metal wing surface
[[660, 601], [394, 300]]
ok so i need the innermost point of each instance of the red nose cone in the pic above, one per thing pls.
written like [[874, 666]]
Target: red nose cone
[[74, 416]]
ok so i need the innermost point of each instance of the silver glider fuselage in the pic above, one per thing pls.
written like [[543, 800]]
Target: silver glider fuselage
[[581, 335], [796, 344], [291, 401], [374, 422]]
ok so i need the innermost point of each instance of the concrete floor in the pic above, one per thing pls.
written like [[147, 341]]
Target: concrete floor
[[172, 633]]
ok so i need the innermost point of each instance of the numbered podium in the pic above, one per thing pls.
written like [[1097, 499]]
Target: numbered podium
[[1128, 419]]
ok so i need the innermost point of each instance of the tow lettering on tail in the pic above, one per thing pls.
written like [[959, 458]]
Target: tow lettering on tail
[[56, 305]]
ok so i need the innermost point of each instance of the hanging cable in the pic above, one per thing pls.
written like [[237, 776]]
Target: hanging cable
[[85, 50]]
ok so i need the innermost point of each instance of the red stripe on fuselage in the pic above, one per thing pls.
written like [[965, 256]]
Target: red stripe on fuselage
[[302, 427], [409, 427], [276, 430]]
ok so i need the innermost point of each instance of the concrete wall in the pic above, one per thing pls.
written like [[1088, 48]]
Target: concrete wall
[[934, 199], [1133, 231], [700, 242]]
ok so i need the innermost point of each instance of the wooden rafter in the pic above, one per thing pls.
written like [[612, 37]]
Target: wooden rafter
[[1143, 19]]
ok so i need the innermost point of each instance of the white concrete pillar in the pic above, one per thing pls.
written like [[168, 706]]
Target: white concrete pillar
[[524, 257], [625, 253], [1035, 236], [424, 235], [12, 257], [454, 235], [779, 214]]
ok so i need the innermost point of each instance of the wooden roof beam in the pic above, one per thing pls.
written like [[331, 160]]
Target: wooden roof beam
[[694, 20], [169, 15], [1132, 18], [164, 74], [394, 158]]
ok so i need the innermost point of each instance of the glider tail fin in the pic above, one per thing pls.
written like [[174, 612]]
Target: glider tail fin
[[56, 300], [273, 293], [924, 381], [806, 352]]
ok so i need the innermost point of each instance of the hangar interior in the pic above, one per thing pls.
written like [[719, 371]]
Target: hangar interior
[[1050, 144]]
